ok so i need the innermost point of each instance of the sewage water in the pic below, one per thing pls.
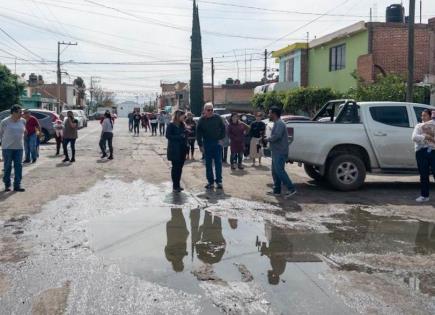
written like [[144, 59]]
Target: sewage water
[[168, 245]]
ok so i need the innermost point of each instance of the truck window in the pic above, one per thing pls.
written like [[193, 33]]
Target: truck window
[[391, 115], [349, 114]]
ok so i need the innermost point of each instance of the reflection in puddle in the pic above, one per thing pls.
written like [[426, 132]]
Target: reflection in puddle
[[284, 262]]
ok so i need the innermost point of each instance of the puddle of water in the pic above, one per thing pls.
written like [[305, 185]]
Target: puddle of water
[[360, 231], [167, 246]]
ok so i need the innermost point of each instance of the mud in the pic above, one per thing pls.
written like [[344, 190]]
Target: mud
[[51, 301]]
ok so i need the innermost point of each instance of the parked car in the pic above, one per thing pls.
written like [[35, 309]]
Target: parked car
[[46, 119], [286, 119], [95, 116], [346, 139], [85, 118]]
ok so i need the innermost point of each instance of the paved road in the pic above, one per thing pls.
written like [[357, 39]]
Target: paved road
[[109, 237]]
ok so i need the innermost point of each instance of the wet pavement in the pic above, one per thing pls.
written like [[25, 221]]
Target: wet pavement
[[135, 248]]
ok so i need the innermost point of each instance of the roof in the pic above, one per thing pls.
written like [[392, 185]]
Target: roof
[[289, 49], [342, 33]]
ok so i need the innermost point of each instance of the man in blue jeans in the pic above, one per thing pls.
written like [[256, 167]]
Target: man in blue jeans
[[12, 130], [279, 147], [210, 134]]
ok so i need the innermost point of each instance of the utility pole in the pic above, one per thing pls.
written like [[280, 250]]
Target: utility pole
[[265, 66], [59, 73], [421, 8], [246, 68], [212, 81], [410, 82]]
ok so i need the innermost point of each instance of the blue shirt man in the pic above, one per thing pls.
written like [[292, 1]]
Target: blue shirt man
[[279, 147]]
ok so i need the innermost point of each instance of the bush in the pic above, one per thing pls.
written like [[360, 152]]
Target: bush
[[300, 100], [387, 88]]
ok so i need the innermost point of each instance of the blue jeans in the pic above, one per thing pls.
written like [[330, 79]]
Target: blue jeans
[[12, 156], [213, 151], [279, 174], [30, 145], [426, 165]]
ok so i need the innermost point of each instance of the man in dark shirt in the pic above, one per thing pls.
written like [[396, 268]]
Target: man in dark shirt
[[130, 121], [30, 139], [210, 135]]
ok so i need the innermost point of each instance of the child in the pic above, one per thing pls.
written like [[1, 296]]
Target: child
[[58, 128]]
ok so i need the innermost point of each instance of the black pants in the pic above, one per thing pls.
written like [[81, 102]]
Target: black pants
[[154, 129], [176, 171], [58, 143], [225, 155], [192, 146], [136, 127], [162, 129], [130, 125], [426, 164], [236, 158], [106, 137], [73, 148]]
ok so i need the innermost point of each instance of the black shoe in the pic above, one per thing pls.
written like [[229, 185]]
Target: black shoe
[[110, 157], [177, 190], [65, 160], [19, 189], [103, 155], [7, 189], [233, 166], [26, 161], [34, 161], [209, 186], [240, 166], [72, 160], [219, 186]]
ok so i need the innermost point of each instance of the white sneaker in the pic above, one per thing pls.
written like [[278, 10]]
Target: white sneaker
[[422, 199]]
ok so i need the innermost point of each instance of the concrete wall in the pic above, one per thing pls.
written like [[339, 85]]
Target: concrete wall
[[340, 80]]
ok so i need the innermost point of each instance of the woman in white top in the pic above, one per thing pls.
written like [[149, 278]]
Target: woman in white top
[[106, 135], [424, 153]]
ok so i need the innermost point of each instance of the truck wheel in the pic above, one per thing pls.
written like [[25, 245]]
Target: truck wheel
[[313, 172], [346, 172]]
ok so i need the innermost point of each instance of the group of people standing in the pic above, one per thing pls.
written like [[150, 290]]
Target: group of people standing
[[19, 136], [148, 121], [213, 134]]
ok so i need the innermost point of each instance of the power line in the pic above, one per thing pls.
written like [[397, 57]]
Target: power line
[[19, 44]]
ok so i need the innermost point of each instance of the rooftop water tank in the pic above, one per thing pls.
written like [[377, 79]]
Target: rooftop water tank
[[395, 13]]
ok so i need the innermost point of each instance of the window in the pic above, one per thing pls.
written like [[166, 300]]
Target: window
[[337, 57], [418, 111], [289, 68], [38, 116], [391, 115]]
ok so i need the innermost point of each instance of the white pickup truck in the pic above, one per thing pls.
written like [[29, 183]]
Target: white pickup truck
[[346, 139]]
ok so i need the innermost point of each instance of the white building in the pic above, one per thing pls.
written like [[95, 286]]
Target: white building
[[126, 107]]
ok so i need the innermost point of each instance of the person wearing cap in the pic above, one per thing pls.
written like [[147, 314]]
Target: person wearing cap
[[12, 131], [30, 139]]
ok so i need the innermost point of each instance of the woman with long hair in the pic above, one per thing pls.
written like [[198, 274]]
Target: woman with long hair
[[106, 136], [177, 148]]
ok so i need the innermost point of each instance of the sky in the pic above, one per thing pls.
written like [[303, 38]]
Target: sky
[[130, 46]]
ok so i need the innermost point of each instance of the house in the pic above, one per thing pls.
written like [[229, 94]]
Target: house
[[174, 96], [124, 108], [365, 49]]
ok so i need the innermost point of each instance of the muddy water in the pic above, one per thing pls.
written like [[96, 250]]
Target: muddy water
[[169, 245]]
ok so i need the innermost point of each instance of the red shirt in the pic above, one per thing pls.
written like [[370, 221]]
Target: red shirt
[[31, 125]]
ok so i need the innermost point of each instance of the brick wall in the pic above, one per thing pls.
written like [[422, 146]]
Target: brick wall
[[389, 42], [228, 95], [365, 67]]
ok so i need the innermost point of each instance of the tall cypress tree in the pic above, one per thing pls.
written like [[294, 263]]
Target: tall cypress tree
[[196, 66]]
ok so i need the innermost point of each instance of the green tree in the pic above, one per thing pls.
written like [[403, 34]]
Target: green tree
[[308, 100], [387, 88], [10, 88]]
